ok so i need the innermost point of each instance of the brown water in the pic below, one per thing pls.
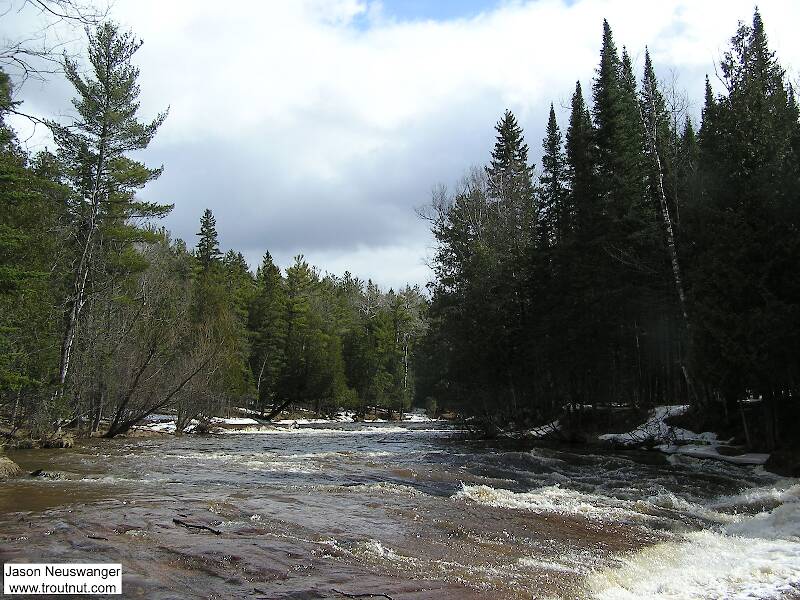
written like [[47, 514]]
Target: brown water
[[411, 512]]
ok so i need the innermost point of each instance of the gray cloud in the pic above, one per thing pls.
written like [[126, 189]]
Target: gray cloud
[[317, 126]]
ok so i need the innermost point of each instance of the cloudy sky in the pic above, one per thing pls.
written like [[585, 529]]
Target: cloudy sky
[[316, 126]]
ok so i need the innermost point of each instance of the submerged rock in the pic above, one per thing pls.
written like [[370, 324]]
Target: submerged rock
[[8, 468]]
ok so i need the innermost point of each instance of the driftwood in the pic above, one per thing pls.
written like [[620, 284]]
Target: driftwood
[[46, 474], [97, 537], [183, 523], [346, 595]]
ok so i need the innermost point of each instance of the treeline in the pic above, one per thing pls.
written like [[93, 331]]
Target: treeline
[[104, 319], [648, 262]]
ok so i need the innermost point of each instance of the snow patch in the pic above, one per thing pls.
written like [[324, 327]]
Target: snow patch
[[711, 451], [233, 421], [656, 430], [544, 431], [675, 440]]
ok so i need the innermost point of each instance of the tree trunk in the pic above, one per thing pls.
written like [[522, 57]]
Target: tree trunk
[[650, 132]]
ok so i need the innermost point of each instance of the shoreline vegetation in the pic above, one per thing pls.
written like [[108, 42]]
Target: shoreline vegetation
[[642, 281]]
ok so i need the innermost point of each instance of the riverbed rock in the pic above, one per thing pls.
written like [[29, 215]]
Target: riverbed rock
[[8, 468], [59, 440], [785, 462]]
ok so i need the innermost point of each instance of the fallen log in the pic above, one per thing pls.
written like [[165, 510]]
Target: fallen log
[[347, 595], [188, 525]]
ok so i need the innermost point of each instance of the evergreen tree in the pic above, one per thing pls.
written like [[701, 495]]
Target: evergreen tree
[[508, 170], [743, 282], [580, 163], [104, 179], [607, 113], [30, 211], [208, 251], [267, 324], [554, 212]]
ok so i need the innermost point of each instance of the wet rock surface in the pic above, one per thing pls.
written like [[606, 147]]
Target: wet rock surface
[[408, 512]]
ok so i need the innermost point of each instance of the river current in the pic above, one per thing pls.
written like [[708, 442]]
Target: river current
[[413, 511]]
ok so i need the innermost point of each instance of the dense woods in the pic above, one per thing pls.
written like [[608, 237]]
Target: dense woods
[[104, 319], [647, 262]]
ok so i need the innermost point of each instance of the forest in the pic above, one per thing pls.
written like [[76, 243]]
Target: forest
[[104, 319], [649, 260]]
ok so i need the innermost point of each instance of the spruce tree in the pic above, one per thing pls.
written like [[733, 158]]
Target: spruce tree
[[506, 263], [554, 213], [267, 324], [208, 252], [580, 162], [744, 282], [508, 171], [606, 111]]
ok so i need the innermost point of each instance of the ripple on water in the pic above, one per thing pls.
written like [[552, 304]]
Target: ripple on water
[[385, 509]]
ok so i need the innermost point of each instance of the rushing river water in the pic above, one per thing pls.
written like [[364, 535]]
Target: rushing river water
[[410, 512]]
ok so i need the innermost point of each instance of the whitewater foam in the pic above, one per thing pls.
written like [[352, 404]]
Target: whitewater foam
[[551, 499], [747, 557], [706, 565]]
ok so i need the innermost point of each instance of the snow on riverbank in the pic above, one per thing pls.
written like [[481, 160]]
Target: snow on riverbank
[[233, 421], [544, 431], [711, 451], [658, 433], [656, 430], [164, 423]]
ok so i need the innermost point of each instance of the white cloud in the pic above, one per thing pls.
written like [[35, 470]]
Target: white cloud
[[288, 118]]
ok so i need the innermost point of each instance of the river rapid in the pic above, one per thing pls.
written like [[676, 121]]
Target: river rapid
[[412, 511]]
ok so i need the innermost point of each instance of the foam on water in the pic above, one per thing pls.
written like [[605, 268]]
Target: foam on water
[[538, 564], [705, 565], [551, 499], [782, 523], [786, 490], [670, 501], [749, 557]]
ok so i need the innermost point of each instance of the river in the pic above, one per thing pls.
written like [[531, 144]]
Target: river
[[411, 512]]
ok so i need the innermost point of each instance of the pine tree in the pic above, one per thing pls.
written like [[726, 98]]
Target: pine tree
[[510, 184], [94, 150]]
